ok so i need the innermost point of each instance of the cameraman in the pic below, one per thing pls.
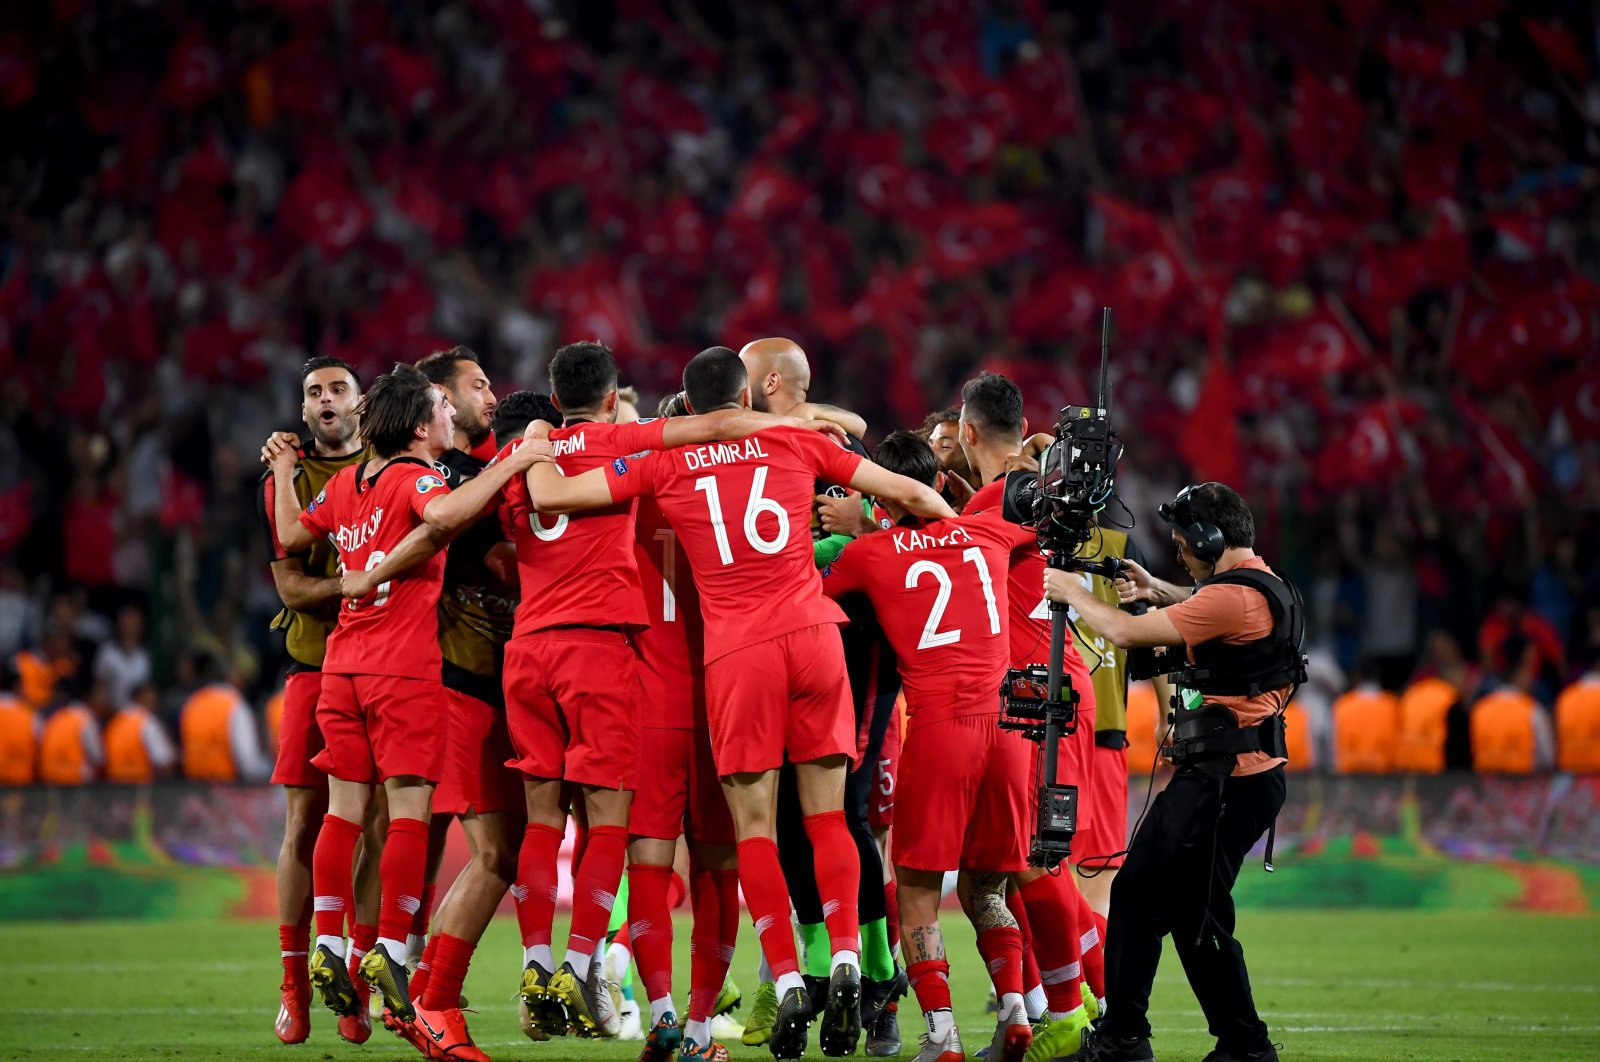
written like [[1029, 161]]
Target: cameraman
[[1241, 626]]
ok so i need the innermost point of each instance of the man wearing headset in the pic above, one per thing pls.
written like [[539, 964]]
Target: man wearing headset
[[1241, 626]]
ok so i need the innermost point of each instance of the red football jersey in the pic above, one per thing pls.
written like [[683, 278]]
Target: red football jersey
[[395, 630], [672, 648], [578, 569], [743, 512], [939, 591]]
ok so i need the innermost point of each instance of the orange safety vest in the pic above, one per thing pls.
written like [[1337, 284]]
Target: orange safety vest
[[1578, 728], [38, 678], [19, 748], [1502, 733], [1424, 707], [61, 759], [1146, 724], [1366, 729], [1297, 736], [127, 760], [274, 720], [203, 727]]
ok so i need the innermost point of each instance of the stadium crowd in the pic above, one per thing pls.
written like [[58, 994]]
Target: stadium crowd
[[1353, 257], [1352, 254]]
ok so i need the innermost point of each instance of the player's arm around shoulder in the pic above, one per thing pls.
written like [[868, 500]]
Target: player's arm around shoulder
[[549, 491], [451, 513], [914, 497], [293, 533]]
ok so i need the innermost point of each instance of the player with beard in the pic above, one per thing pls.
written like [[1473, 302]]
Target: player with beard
[[308, 584], [1055, 919], [775, 674], [780, 381], [379, 709]]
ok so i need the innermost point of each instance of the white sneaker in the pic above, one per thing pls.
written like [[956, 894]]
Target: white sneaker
[[1012, 1035], [607, 995], [947, 1050], [631, 1027], [614, 967], [726, 1027]]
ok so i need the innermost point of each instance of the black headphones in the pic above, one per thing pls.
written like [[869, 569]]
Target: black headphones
[[1205, 539]]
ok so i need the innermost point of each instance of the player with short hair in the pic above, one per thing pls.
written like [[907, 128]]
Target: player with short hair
[[572, 684], [936, 588], [308, 584], [1055, 920], [379, 705], [775, 677]]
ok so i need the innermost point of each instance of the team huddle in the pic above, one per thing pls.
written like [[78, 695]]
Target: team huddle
[[702, 630]]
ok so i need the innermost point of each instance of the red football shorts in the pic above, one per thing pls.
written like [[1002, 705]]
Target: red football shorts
[[964, 801], [1103, 810], [880, 809], [476, 777], [299, 740], [678, 789], [378, 727], [1075, 763], [572, 699], [787, 694]]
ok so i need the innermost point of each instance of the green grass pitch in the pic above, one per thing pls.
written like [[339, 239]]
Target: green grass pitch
[[1333, 985]]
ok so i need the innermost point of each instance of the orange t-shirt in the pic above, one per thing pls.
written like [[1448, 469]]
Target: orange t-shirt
[[1235, 614]]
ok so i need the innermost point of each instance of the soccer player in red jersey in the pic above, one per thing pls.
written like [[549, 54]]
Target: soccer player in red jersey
[[572, 684], [677, 793], [380, 705], [1048, 906], [308, 584], [938, 589], [775, 675]]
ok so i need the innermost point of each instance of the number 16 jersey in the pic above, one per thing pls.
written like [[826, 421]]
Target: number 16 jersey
[[742, 510]]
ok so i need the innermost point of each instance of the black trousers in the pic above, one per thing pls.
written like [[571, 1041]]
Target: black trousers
[[1163, 888]]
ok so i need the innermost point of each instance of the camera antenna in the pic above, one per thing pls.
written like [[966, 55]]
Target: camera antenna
[[1105, 359]]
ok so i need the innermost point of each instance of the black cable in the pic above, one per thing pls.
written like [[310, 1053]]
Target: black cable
[[1149, 792]]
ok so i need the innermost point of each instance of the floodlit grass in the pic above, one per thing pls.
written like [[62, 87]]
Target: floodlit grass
[[1332, 985]]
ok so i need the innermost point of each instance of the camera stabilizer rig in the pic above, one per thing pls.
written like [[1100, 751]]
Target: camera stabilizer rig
[[1076, 478]]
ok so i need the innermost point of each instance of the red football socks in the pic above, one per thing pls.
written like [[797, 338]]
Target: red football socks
[[1052, 912], [449, 966], [930, 980], [420, 979], [1030, 965], [331, 880], [362, 937], [594, 888], [400, 873], [535, 888], [716, 928], [294, 944], [650, 926], [419, 921], [1093, 945], [761, 876], [1001, 949], [838, 870]]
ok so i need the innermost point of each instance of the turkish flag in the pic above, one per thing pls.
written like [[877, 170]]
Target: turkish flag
[[962, 141], [767, 194], [1288, 239], [1209, 442], [1227, 214], [1580, 403], [1314, 347], [1369, 446], [1127, 227], [1156, 149], [320, 207], [653, 103], [975, 236], [800, 120], [1057, 307], [1327, 124], [194, 72], [1509, 470]]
